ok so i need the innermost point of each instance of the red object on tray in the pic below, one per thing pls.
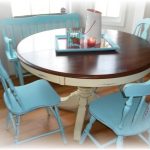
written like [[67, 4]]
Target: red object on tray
[[75, 40], [91, 42]]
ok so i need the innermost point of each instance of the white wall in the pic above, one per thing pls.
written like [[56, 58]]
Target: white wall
[[80, 6], [147, 10], [128, 22], [135, 11]]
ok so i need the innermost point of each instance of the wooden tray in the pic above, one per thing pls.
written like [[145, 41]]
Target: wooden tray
[[106, 45]]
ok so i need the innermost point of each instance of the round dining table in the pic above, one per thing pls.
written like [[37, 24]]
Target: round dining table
[[85, 70]]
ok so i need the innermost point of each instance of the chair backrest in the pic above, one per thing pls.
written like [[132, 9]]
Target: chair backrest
[[10, 52], [142, 29], [136, 104], [9, 86], [18, 28]]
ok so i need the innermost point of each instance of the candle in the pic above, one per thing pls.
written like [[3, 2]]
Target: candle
[[91, 42]]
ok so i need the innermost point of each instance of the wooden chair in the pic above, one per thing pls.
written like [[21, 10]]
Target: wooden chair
[[23, 99], [126, 114], [15, 29], [142, 29]]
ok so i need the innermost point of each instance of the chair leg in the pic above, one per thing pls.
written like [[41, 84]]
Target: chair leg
[[17, 122], [15, 68], [87, 129], [8, 121], [57, 116], [20, 73], [119, 142], [149, 136], [13, 120], [121, 87], [48, 109]]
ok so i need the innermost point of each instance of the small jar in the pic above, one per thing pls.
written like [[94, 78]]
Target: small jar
[[63, 10]]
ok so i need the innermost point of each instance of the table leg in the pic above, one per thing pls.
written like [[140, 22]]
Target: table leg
[[79, 100]]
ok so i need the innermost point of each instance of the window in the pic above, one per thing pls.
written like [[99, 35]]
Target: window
[[34, 7], [113, 11]]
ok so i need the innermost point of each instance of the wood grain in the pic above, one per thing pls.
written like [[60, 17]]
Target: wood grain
[[38, 51]]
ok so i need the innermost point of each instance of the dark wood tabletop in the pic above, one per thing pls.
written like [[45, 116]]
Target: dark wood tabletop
[[38, 52]]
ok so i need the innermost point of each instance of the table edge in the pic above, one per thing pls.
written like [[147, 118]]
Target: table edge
[[75, 81]]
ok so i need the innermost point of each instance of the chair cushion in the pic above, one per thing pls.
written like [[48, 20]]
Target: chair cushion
[[32, 96]]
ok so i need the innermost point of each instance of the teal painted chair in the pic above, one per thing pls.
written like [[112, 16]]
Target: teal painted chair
[[15, 29], [126, 114], [23, 99], [12, 57], [142, 29]]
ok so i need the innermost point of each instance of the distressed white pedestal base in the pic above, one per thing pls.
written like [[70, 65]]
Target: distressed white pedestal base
[[78, 100]]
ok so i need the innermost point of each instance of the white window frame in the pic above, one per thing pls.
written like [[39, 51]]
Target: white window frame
[[29, 11], [116, 21], [106, 21]]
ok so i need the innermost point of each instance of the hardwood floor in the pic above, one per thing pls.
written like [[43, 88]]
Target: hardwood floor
[[38, 122]]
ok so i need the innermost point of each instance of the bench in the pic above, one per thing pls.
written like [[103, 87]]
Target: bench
[[16, 29]]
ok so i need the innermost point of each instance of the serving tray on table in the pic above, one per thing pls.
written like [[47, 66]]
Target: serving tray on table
[[106, 45]]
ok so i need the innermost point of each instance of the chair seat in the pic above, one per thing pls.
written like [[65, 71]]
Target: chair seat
[[105, 109], [32, 96]]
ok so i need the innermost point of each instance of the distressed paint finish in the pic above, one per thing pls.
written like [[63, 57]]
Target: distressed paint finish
[[20, 101], [126, 113], [85, 70]]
